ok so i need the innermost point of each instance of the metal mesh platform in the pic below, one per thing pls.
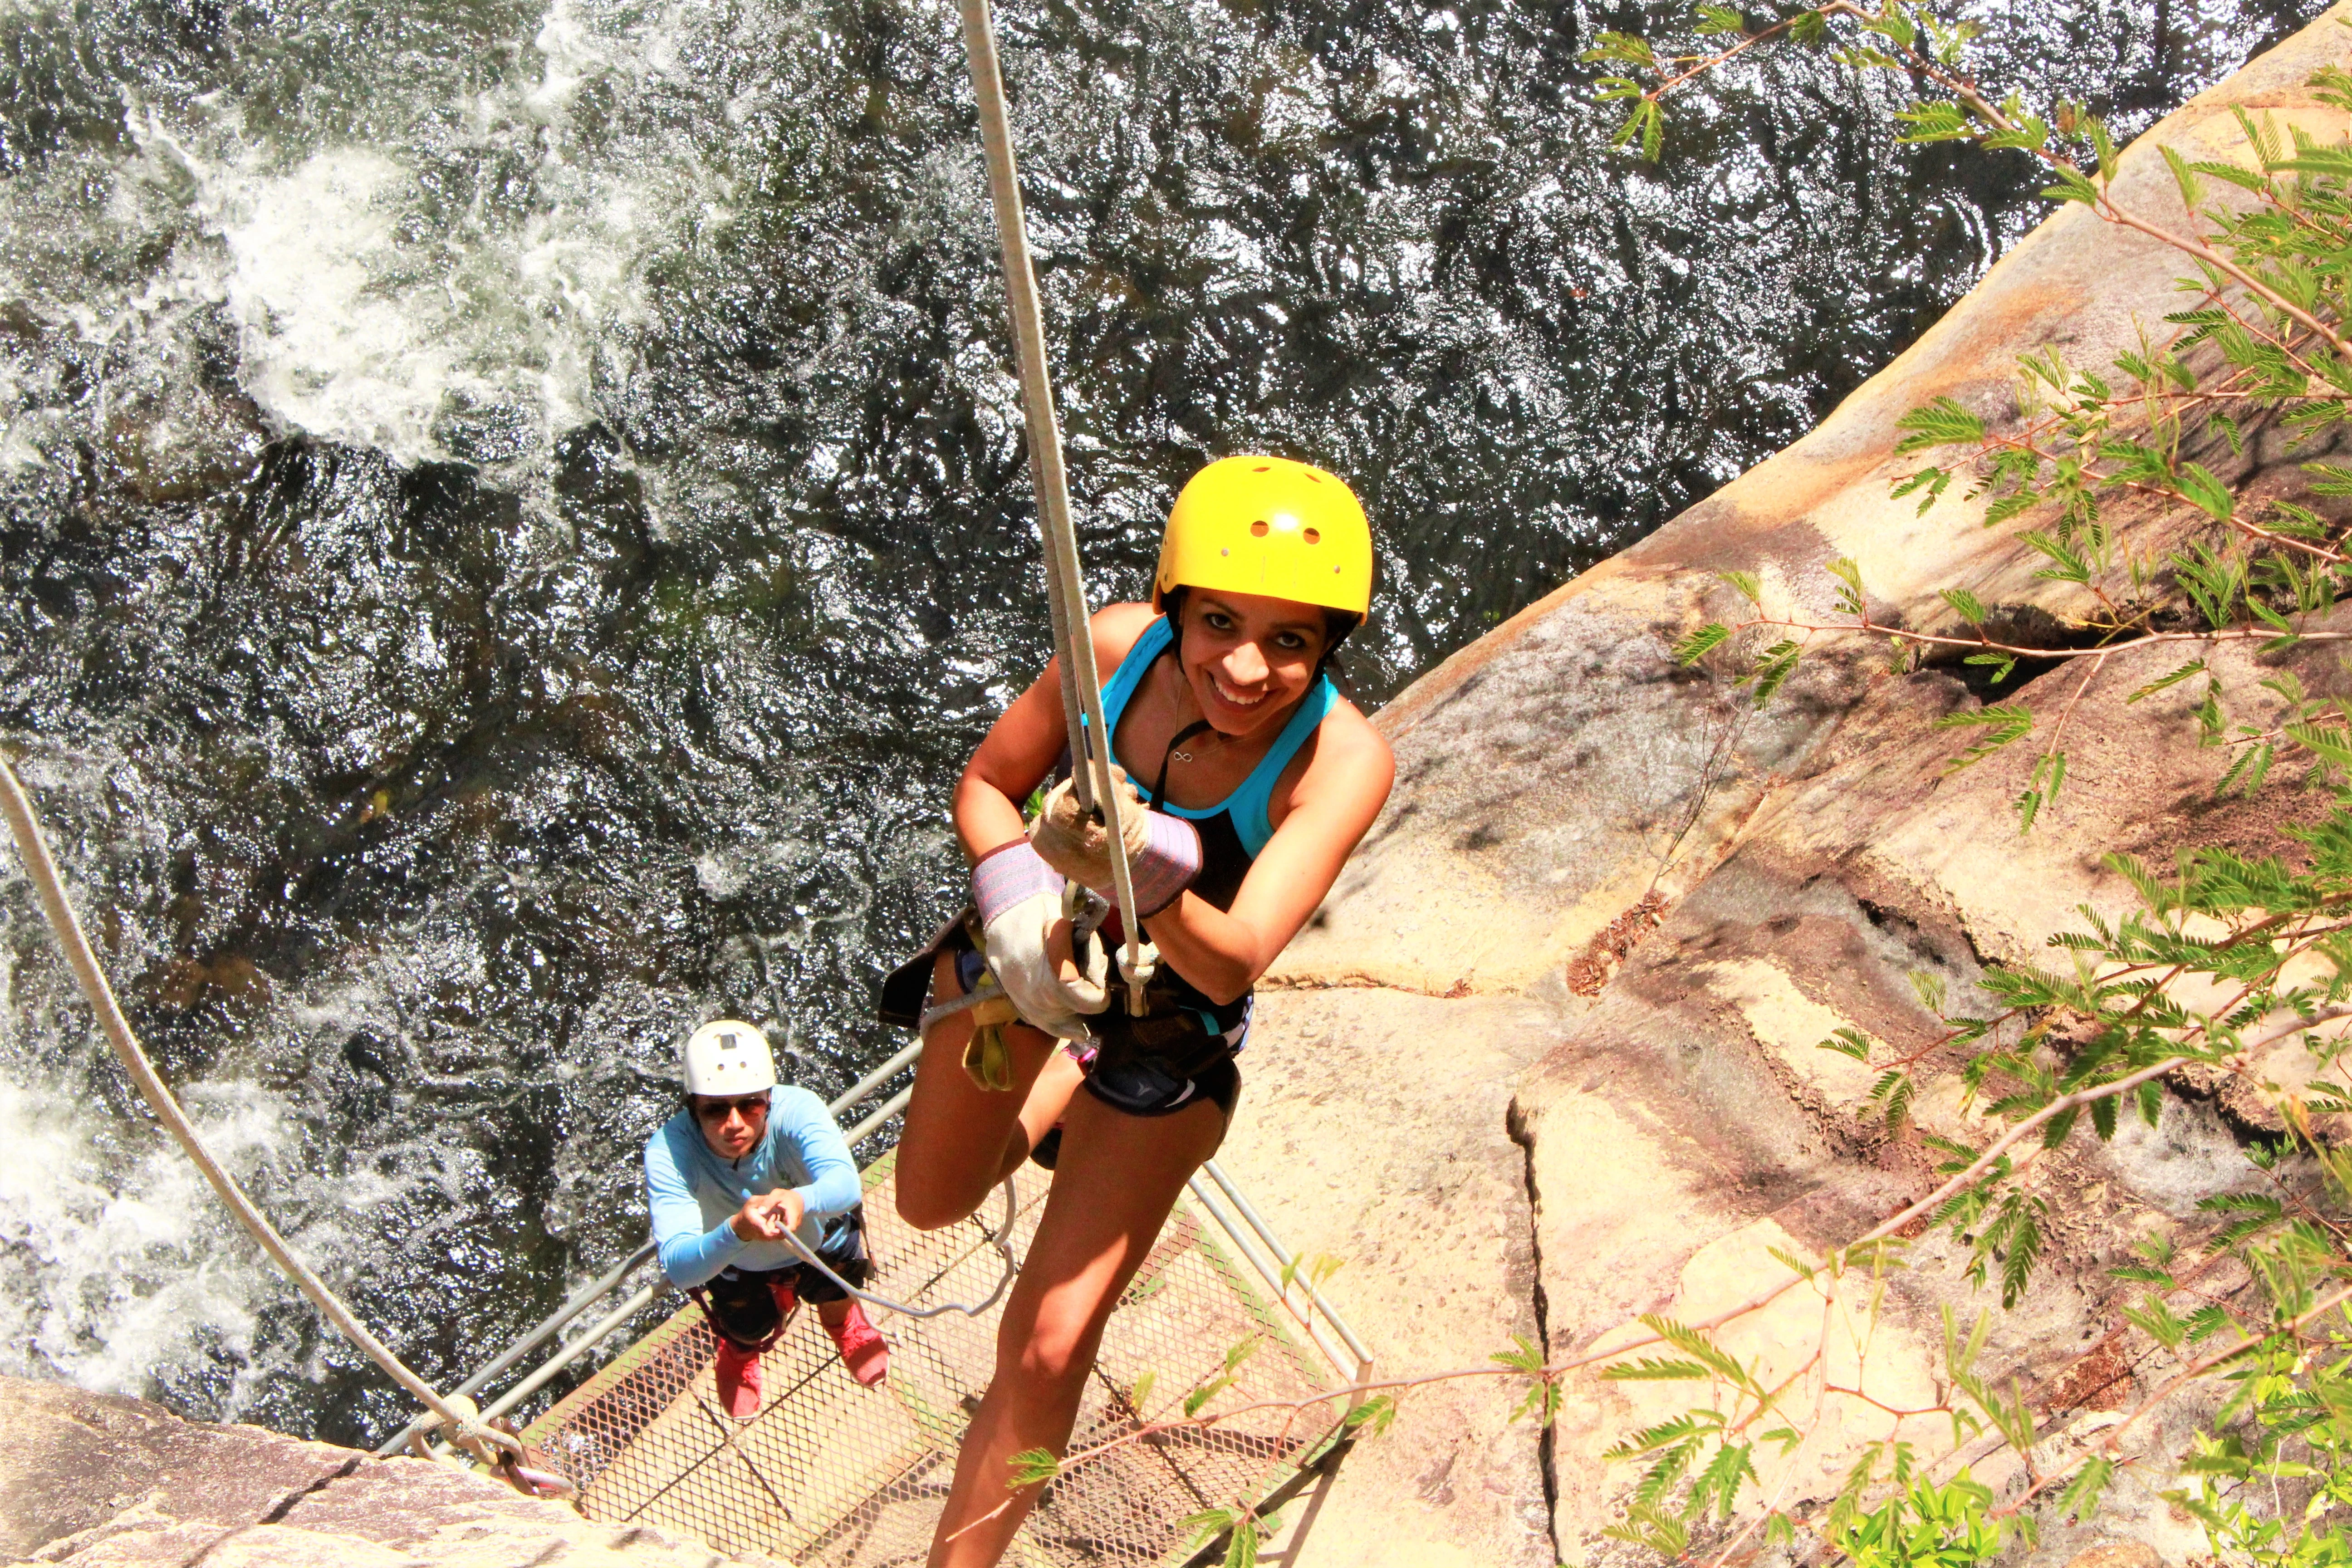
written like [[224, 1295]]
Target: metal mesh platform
[[829, 1473]]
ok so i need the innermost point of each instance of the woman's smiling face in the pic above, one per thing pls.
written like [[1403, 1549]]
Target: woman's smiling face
[[1247, 658]]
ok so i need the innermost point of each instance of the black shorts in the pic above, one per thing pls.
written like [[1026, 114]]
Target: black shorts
[[741, 1302], [1220, 1086]]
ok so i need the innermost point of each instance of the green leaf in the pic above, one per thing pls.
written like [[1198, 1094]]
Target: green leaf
[[1773, 667], [2072, 187], [2206, 492], [1522, 1357], [1847, 1042], [1033, 1466], [1205, 1526], [2103, 1117], [1747, 585], [2003, 723], [1938, 121], [1701, 643], [2080, 1500], [2194, 666], [1628, 49], [1650, 1370], [2192, 189], [1934, 483], [1943, 423], [1965, 604], [1849, 574], [2016, 1264]]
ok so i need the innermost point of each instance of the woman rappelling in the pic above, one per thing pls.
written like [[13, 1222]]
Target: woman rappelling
[[1262, 779]]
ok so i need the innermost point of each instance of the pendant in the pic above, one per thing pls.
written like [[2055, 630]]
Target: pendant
[[1181, 756]]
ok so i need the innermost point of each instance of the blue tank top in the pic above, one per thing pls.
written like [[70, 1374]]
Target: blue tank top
[[1235, 829]]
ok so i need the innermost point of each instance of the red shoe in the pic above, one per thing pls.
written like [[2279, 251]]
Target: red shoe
[[863, 1348], [739, 1380]]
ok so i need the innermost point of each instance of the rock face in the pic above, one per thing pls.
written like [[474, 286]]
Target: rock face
[[97, 1480], [1547, 1059]]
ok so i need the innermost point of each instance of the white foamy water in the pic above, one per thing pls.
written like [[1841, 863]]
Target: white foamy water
[[450, 289], [118, 1269]]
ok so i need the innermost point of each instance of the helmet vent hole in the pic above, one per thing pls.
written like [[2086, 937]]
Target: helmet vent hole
[[1259, 529], [1313, 536], [1263, 469]]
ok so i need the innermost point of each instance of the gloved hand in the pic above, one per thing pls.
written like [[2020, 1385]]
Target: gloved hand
[[1163, 851], [1027, 943]]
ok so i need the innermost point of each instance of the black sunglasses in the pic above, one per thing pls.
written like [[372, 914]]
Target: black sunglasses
[[718, 1110]]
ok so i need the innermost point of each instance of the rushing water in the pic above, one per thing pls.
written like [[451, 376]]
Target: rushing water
[[514, 515]]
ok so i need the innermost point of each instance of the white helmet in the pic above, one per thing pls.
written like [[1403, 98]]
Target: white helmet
[[728, 1057]]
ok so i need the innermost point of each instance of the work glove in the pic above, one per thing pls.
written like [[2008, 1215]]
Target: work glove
[[1019, 897], [1163, 851]]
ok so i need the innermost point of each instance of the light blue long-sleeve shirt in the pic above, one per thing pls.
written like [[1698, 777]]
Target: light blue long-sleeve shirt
[[692, 1194]]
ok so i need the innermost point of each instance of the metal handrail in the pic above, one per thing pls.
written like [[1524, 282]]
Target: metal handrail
[[573, 1351], [1255, 1255], [1282, 1256], [857, 1091], [579, 1302]]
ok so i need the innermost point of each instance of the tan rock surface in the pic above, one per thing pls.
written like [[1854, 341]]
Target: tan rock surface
[[1432, 1082], [100, 1481]]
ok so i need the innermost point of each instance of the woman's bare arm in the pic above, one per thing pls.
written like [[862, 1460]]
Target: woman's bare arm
[[1332, 807], [1026, 740]]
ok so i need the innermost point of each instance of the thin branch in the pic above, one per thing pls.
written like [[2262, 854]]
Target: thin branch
[[2198, 1369], [2021, 650]]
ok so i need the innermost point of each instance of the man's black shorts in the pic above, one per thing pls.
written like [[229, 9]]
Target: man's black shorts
[[741, 1302]]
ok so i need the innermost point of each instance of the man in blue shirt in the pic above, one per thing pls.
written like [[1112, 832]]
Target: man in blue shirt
[[746, 1161]]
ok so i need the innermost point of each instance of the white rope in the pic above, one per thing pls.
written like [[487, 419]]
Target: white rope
[[1066, 595], [458, 1416], [1000, 1239]]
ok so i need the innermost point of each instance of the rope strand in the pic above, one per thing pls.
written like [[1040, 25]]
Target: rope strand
[[30, 844], [1066, 593]]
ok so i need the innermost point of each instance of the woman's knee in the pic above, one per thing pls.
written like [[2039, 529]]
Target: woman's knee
[[933, 1205], [1055, 1352]]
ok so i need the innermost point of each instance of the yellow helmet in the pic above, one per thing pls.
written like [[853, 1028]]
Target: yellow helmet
[[1268, 525]]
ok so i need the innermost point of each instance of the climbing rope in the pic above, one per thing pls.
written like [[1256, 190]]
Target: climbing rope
[[459, 1417], [1066, 593], [1000, 1239]]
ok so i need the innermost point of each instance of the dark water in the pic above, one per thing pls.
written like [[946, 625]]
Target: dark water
[[514, 516]]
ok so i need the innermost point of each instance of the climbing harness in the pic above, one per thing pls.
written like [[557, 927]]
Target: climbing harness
[[459, 1417], [1066, 595]]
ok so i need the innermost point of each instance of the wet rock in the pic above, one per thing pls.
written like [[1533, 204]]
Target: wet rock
[[100, 1481]]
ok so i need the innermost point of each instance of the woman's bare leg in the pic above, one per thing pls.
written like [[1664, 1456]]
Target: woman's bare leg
[[1118, 1178], [960, 1139]]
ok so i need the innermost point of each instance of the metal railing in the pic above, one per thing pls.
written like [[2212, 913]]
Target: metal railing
[[1290, 1288], [1254, 1239]]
